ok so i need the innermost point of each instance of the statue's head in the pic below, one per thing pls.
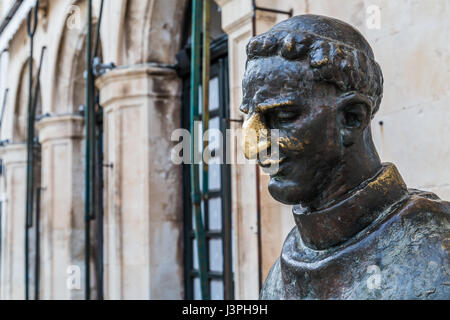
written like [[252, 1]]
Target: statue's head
[[314, 79]]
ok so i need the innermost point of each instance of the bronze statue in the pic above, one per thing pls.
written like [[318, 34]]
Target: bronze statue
[[360, 232]]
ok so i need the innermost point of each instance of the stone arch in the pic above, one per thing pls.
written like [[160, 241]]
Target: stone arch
[[20, 116], [152, 31], [70, 65]]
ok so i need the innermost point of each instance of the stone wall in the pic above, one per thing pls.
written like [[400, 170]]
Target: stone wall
[[143, 229]]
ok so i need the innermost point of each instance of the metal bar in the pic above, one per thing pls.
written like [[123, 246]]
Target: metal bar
[[38, 245], [208, 234], [99, 23], [253, 18], [4, 23], [97, 168], [5, 96], [6, 89], [205, 84], [33, 116], [257, 8], [196, 196], [235, 120], [226, 188], [274, 10], [1, 235], [99, 202], [32, 138], [211, 274], [205, 113], [31, 30], [258, 184], [37, 87], [88, 156]]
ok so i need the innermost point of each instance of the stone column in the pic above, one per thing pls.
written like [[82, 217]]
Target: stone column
[[14, 158], [62, 204], [143, 188]]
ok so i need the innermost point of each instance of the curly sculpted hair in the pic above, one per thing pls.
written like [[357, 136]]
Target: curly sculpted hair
[[337, 53]]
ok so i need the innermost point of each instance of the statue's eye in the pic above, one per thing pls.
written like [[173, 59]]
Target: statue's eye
[[274, 118], [286, 115]]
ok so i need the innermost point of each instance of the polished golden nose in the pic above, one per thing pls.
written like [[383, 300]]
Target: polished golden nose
[[255, 135]]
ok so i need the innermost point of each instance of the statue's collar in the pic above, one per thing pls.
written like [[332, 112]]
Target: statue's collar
[[333, 225]]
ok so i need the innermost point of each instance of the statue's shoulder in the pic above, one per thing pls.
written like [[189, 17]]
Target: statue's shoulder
[[415, 246], [424, 216], [423, 222], [273, 285], [426, 207], [424, 194]]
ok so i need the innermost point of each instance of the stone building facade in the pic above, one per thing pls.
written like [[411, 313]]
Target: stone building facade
[[145, 233]]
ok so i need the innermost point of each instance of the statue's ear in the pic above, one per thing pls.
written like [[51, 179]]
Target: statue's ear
[[354, 115]]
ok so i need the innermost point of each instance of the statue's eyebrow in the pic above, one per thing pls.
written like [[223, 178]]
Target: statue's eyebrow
[[263, 107]]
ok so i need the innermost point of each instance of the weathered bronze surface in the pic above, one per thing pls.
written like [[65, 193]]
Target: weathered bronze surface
[[360, 232]]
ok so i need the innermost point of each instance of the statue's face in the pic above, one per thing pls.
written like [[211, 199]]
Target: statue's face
[[281, 94]]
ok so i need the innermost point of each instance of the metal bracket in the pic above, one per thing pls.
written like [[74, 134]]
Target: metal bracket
[[5, 97], [234, 120], [43, 116], [289, 12], [256, 8], [99, 68]]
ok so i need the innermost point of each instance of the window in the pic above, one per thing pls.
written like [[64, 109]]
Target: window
[[216, 206]]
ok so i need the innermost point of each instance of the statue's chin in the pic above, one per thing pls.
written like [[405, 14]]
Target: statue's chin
[[285, 191]]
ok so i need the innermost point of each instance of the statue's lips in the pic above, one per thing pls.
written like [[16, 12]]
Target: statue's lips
[[272, 166]]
